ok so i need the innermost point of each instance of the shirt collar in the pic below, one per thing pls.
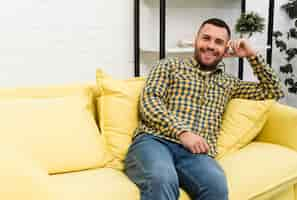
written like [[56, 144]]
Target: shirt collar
[[196, 65]]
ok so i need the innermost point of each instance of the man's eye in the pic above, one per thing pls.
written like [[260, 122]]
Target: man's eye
[[220, 42]]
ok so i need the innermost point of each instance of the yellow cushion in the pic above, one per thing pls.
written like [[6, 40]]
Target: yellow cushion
[[51, 91], [48, 91], [60, 133], [259, 170], [21, 178], [242, 121], [118, 116]]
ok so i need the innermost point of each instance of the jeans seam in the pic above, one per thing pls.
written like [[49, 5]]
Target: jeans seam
[[191, 178], [147, 179]]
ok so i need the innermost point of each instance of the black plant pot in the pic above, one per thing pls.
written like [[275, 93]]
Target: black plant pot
[[292, 12], [291, 9]]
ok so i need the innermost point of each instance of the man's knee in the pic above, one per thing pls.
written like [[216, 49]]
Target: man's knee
[[164, 175], [159, 183], [164, 181], [158, 177]]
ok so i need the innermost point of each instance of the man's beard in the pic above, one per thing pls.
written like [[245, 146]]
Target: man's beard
[[203, 66]]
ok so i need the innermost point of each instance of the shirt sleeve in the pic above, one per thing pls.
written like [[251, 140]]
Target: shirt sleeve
[[153, 108], [268, 87]]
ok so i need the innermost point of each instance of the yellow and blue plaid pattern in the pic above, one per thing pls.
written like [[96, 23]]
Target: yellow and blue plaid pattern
[[179, 97]]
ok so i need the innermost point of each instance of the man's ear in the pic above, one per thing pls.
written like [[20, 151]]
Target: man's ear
[[228, 51]]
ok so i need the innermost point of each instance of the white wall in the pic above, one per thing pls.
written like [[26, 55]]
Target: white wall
[[59, 41], [258, 40]]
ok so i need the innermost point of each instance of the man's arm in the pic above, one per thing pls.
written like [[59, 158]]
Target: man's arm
[[268, 87], [152, 102]]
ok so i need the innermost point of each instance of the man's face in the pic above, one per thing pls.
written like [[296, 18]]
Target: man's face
[[211, 45]]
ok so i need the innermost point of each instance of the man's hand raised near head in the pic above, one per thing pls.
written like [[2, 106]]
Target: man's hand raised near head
[[239, 48], [193, 142]]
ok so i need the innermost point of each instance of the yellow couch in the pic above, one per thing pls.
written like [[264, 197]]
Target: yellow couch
[[68, 142]]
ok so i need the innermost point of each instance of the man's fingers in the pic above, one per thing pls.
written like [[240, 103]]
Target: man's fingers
[[202, 147], [238, 44], [235, 45], [197, 148], [194, 150], [194, 143], [191, 148], [206, 147]]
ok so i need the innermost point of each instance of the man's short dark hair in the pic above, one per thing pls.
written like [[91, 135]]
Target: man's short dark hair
[[216, 22]]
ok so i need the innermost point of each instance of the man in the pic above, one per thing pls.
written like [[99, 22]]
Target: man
[[181, 110]]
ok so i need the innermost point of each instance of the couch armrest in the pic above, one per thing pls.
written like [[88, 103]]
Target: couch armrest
[[21, 178], [281, 126]]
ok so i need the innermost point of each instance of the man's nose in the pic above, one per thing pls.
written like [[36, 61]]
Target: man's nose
[[211, 45]]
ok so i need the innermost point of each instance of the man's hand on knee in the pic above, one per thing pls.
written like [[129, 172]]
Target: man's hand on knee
[[193, 142]]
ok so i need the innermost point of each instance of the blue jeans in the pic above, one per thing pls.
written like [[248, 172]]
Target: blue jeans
[[159, 167]]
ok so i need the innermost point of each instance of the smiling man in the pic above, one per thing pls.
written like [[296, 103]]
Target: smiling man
[[181, 109]]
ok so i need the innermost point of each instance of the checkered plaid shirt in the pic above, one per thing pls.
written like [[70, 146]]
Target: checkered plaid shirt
[[179, 97]]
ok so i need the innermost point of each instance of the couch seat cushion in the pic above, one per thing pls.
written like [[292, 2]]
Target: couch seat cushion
[[21, 177], [259, 170], [104, 183]]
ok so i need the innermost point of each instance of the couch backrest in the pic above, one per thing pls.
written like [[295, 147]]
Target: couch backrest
[[51, 92], [281, 126]]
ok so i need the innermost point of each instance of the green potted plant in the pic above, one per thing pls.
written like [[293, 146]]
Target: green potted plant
[[249, 23]]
